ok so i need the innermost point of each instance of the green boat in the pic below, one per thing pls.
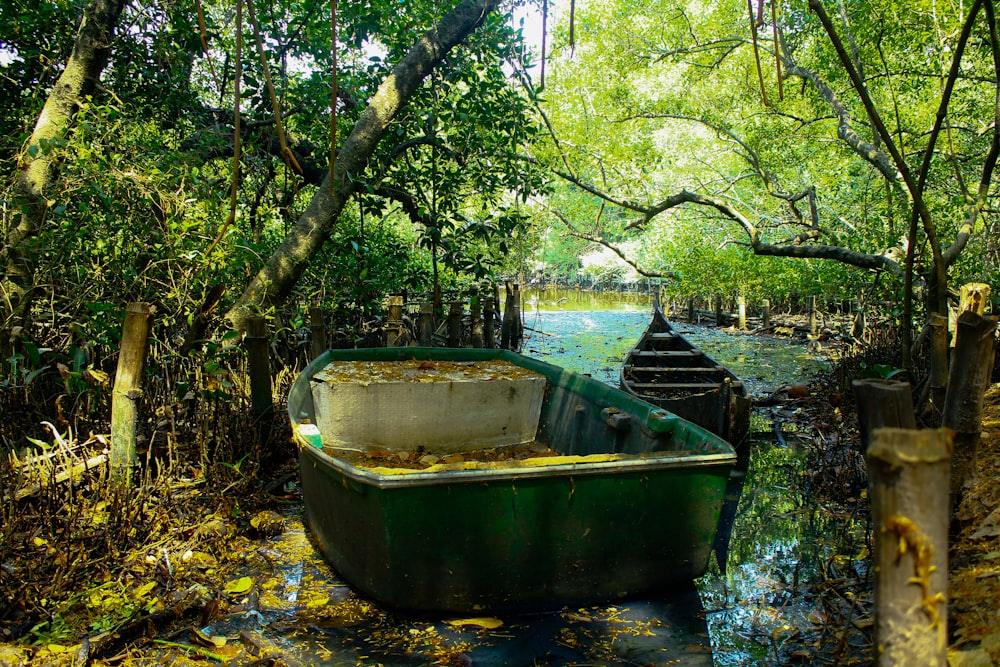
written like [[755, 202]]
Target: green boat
[[503, 484]]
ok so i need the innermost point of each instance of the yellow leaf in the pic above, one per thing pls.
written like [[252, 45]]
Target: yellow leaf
[[40, 542], [59, 648], [99, 376], [238, 586], [488, 623], [142, 590]]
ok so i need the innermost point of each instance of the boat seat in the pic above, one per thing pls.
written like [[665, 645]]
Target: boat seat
[[700, 370], [692, 386], [691, 354]]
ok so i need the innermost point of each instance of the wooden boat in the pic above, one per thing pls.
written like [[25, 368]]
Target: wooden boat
[[669, 371], [625, 501]]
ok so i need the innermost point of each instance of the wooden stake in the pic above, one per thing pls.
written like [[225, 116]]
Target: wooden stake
[[939, 359], [741, 310], [394, 325], [426, 324], [455, 324], [765, 315], [317, 331], [974, 297], [968, 379], [882, 404], [127, 392], [909, 473], [811, 305], [258, 366], [489, 335], [475, 314]]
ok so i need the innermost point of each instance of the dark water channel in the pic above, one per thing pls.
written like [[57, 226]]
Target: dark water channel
[[748, 616]]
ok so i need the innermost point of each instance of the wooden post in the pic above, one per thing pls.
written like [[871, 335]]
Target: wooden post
[[489, 335], [939, 359], [510, 330], [426, 324], [741, 310], [455, 324], [394, 323], [968, 379], [692, 314], [475, 314], [258, 366], [765, 314], [909, 491], [518, 333], [974, 297], [811, 306], [859, 325], [718, 310], [127, 391], [882, 404], [317, 331]]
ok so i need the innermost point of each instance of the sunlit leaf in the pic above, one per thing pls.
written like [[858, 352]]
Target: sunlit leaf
[[238, 586], [482, 622], [142, 590]]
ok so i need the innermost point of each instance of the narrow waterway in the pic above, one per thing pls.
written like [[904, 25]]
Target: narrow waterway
[[784, 547]]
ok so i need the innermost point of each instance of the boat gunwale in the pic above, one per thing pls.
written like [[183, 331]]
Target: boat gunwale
[[645, 463], [655, 420]]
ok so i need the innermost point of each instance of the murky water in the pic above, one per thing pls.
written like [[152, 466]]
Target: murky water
[[784, 547], [749, 616]]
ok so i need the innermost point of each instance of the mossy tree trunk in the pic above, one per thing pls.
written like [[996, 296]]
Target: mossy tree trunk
[[38, 168], [274, 282]]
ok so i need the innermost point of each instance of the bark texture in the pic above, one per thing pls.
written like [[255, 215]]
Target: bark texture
[[909, 480], [275, 281]]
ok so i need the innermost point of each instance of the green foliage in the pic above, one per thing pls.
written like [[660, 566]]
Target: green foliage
[[660, 97]]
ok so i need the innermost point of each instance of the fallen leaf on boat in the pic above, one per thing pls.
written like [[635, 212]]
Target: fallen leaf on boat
[[488, 623]]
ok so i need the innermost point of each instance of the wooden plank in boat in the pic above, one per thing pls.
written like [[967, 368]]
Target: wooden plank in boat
[[664, 336], [668, 353], [676, 369], [693, 386]]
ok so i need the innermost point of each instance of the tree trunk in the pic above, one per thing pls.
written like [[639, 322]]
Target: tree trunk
[[38, 168], [274, 282], [909, 480]]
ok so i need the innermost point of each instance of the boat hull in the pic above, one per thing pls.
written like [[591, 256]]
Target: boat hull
[[635, 512]]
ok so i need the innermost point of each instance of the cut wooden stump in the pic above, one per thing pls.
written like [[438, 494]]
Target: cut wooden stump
[[909, 474], [968, 378], [127, 392], [881, 404]]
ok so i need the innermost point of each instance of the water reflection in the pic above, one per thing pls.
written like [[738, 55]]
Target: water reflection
[[302, 610], [792, 562], [555, 299]]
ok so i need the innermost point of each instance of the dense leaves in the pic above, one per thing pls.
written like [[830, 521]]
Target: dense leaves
[[697, 128]]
